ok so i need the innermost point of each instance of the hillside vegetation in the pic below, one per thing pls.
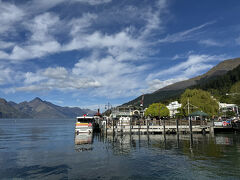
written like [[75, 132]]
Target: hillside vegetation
[[218, 81]]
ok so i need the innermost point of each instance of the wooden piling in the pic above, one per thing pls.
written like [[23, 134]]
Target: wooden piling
[[130, 126], [190, 124], [177, 126], [164, 130], [147, 127]]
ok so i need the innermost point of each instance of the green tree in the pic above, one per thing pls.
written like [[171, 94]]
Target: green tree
[[201, 100], [181, 113], [157, 109], [235, 93]]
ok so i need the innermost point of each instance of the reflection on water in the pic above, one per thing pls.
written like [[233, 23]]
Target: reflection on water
[[50, 150], [83, 142]]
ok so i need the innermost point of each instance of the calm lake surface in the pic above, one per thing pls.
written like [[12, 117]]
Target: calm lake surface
[[48, 149]]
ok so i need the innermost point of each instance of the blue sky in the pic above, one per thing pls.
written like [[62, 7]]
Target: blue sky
[[89, 52]]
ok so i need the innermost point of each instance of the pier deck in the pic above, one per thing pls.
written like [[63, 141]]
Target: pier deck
[[143, 129]]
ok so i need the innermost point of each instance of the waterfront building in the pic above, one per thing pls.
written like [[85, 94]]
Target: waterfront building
[[224, 107], [127, 111], [173, 108]]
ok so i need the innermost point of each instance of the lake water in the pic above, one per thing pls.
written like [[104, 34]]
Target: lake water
[[48, 149]]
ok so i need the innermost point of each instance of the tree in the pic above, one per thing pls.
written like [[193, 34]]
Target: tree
[[199, 100], [181, 113], [157, 110], [235, 93]]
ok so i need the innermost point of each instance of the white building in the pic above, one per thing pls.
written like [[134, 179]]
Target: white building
[[228, 107], [173, 108]]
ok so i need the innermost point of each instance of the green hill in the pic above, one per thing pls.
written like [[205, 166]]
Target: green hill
[[217, 80]]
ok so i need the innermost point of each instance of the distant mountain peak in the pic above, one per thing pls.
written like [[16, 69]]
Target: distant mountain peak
[[3, 101], [39, 109], [37, 99]]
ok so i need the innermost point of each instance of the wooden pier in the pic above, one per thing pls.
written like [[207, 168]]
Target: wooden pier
[[156, 127]]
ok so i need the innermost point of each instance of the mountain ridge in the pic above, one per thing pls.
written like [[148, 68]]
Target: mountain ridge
[[220, 69], [39, 109], [174, 90]]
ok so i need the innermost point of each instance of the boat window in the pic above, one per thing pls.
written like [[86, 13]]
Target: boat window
[[86, 120]]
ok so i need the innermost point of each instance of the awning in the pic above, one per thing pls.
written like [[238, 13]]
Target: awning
[[198, 113]]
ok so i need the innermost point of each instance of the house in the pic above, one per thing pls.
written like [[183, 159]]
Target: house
[[173, 108]]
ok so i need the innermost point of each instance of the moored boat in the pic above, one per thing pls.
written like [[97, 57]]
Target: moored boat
[[84, 124]]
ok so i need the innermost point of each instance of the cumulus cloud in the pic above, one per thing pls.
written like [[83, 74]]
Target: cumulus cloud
[[6, 74], [42, 27], [9, 14], [55, 78], [103, 76], [113, 66], [117, 78], [4, 44]]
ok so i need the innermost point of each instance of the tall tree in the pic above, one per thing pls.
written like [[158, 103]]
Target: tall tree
[[199, 100], [157, 110], [235, 93]]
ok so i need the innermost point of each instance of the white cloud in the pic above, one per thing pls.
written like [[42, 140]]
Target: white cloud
[[81, 25], [4, 45], [153, 18], [193, 66], [42, 27], [99, 40], [238, 40], [113, 70], [210, 42], [93, 2], [117, 78], [58, 78], [9, 14], [6, 75], [184, 35], [44, 5], [192, 60], [157, 84]]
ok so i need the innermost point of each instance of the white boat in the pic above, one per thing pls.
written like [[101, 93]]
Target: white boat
[[84, 124]]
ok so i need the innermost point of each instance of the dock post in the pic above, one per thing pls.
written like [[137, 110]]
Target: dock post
[[113, 126], [139, 128], [147, 126], [190, 124], [177, 126], [106, 125], [164, 130], [130, 130]]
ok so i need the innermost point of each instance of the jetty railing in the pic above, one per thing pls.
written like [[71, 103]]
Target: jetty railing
[[155, 126]]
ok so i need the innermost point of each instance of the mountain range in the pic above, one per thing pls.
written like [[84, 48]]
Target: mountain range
[[173, 91], [39, 109]]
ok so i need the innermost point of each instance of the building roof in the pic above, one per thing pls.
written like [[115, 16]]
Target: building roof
[[198, 113]]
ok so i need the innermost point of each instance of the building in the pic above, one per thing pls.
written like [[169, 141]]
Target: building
[[224, 107], [124, 111], [173, 108]]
